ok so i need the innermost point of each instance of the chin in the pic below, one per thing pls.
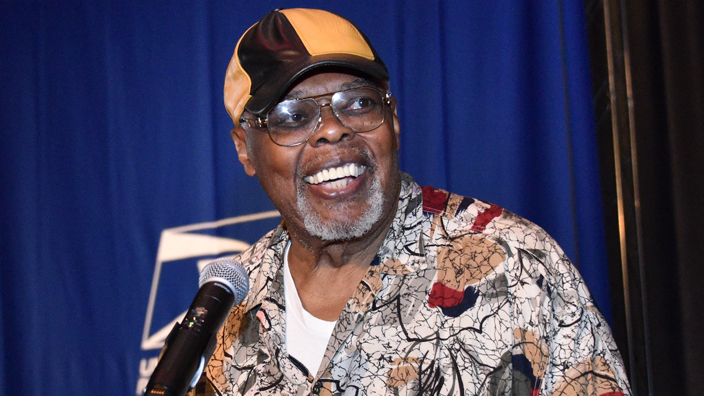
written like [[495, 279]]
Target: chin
[[347, 225]]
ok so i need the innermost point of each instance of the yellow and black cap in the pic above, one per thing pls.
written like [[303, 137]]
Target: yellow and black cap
[[284, 45]]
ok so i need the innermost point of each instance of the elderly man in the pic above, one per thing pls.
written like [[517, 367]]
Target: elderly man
[[372, 284]]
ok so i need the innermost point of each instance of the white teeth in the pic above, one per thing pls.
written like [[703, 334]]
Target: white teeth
[[341, 173]]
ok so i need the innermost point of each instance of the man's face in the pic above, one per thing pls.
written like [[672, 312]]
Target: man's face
[[339, 185]]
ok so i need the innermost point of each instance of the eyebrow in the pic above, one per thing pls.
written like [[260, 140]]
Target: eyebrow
[[360, 82]]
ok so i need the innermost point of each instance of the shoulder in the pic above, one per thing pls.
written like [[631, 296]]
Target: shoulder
[[251, 257], [485, 242], [262, 260], [457, 216]]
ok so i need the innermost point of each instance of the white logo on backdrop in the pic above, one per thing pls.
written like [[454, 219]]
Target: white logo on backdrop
[[178, 244]]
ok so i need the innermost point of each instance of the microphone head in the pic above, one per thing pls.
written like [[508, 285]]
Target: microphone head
[[231, 272]]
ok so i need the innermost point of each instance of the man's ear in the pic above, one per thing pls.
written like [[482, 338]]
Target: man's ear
[[239, 136], [397, 125]]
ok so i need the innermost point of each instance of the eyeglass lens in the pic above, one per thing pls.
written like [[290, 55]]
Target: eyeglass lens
[[292, 122]]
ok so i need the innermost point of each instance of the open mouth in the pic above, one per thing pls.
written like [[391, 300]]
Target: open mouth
[[338, 177]]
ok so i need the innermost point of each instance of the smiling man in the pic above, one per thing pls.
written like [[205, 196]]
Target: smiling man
[[372, 284]]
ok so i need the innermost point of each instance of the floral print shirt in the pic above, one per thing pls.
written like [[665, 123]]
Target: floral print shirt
[[463, 298]]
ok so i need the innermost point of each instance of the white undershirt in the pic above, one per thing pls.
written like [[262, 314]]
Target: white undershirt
[[306, 336]]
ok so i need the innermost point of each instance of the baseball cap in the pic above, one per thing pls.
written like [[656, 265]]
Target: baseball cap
[[285, 44]]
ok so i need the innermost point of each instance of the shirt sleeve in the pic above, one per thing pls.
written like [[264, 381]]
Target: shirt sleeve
[[560, 334]]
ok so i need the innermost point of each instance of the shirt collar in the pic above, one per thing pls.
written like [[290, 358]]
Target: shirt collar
[[403, 251]]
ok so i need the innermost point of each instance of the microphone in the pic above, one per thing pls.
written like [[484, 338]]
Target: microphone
[[223, 284]]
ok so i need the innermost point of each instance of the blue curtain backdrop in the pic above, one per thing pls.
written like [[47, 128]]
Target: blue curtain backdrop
[[116, 163]]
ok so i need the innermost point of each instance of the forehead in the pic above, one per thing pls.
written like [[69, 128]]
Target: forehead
[[325, 82]]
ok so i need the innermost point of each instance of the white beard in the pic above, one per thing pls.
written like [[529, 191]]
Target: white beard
[[349, 227]]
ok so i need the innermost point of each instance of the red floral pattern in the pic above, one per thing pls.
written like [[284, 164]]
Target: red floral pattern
[[486, 217], [434, 200]]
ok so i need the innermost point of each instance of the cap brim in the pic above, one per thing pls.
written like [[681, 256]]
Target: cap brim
[[270, 92]]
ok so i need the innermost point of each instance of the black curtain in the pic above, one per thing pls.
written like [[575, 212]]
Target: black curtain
[[648, 74]]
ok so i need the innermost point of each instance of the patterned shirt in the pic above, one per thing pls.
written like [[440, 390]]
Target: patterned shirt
[[463, 298]]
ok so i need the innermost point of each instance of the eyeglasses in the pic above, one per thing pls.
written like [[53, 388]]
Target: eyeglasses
[[292, 122]]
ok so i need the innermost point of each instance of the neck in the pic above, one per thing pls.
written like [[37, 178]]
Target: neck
[[326, 273]]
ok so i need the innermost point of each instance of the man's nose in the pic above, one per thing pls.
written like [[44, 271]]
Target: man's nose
[[330, 129]]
